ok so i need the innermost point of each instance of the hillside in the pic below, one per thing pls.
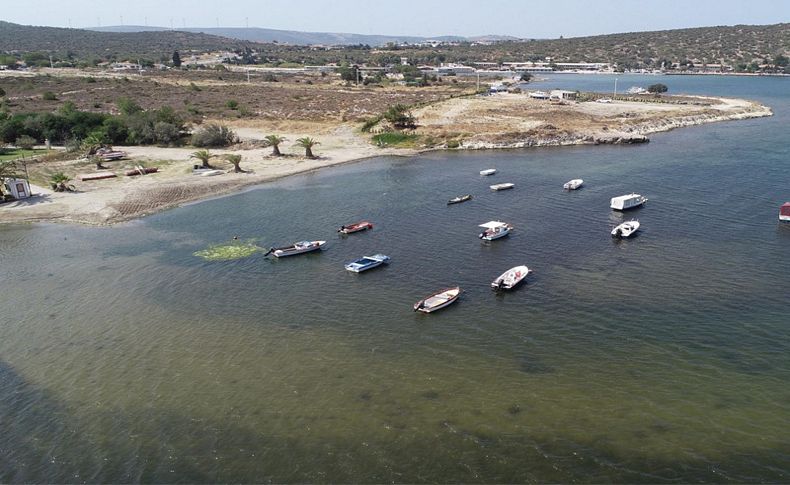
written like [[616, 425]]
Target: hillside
[[85, 44], [257, 34]]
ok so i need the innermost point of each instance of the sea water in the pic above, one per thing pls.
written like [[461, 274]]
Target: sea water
[[664, 357]]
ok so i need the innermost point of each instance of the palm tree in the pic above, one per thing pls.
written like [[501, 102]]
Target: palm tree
[[204, 156], [235, 160], [307, 143], [91, 145], [60, 182], [274, 142]]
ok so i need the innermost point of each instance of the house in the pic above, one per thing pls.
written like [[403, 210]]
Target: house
[[18, 188], [563, 94]]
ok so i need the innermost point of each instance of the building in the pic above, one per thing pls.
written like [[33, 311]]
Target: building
[[562, 94]]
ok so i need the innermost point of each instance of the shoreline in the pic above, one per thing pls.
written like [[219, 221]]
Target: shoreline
[[127, 199]]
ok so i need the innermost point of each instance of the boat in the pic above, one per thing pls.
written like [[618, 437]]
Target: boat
[[207, 172], [438, 300], [539, 95], [367, 262], [573, 184], [784, 212], [626, 229], [356, 227], [488, 171], [459, 199], [625, 202], [109, 155], [495, 230], [296, 248], [498, 187], [510, 278]]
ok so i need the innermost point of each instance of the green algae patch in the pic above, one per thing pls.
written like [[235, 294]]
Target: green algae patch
[[229, 252]]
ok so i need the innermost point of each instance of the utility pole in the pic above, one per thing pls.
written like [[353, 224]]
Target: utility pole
[[51, 65], [248, 75], [615, 88]]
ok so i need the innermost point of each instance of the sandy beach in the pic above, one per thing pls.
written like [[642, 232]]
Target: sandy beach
[[501, 121]]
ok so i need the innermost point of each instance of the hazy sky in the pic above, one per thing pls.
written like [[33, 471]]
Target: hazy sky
[[520, 18]]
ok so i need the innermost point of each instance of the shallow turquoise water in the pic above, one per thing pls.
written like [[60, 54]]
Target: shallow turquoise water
[[123, 357]]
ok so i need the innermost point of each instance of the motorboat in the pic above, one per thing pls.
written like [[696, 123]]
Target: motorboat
[[510, 278], [784, 212], [573, 184], [539, 95], [109, 155], [495, 230], [498, 187], [459, 199], [367, 262], [296, 248], [629, 201], [488, 171], [626, 229], [356, 227], [438, 300]]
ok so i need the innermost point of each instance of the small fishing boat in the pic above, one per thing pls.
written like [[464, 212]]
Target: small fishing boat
[[629, 201], [510, 278], [296, 248], [495, 230], [459, 199], [497, 187], [626, 229], [784, 212], [367, 262], [356, 227], [438, 300], [488, 171], [573, 184]]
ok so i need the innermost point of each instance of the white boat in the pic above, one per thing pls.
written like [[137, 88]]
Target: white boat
[[510, 278], [539, 95], [297, 248], [625, 202], [438, 300], [207, 172], [367, 262], [573, 184], [495, 230], [497, 187], [488, 171], [626, 229]]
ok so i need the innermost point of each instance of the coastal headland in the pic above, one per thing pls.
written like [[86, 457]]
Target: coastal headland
[[447, 118]]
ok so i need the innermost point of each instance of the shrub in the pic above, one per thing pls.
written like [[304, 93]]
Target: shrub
[[232, 104], [90, 80], [657, 88], [25, 142], [49, 96], [400, 117], [194, 87], [128, 106], [385, 139], [213, 135], [166, 133]]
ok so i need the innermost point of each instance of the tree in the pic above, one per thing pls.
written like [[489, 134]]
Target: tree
[[274, 142], [213, 135], [526, 77], [400, 117], [235, 160], [204, 156], [2, 92], [128, 106], [176, 59], [307, 143], [657, 88], [60, 182]]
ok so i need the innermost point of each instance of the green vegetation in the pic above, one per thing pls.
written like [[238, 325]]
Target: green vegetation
[[213, 135], [204, 156], [49, 96], [307, 143], [274, 141], [25, 142], [400, 117], [13, 154], [657, 88], [395, 139], [60, 182], [235, 159], [232, 104], [229, 252]]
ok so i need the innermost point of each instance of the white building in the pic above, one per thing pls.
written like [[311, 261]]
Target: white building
[[563, 94]]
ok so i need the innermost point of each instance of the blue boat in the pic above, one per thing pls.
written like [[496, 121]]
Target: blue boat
[[367, 262]]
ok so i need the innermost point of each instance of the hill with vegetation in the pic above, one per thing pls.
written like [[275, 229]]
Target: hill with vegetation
[[744, 48], [86, 45]]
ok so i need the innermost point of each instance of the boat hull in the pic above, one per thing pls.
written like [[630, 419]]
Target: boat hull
[[371, 262], [624, 203], [293, 251], [573, 184], [499, 187], [494, 237], [490, 171], [458, 200], [510, 278], [625, 230], [352, 228], [437, 301]]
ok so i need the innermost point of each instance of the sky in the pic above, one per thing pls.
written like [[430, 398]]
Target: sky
[[520, 18]]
